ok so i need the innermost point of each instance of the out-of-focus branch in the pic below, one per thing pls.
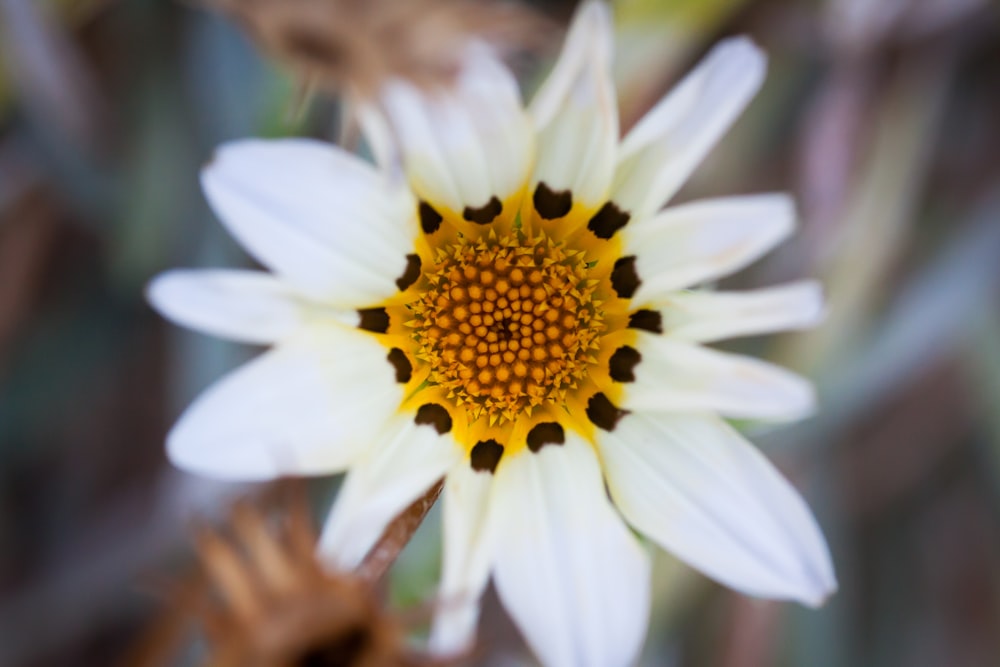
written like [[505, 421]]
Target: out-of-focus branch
[[862, 246], [753, 635], [119, 548], [51, 75]]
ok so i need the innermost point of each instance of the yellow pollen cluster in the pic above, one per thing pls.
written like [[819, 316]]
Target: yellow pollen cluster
[[507, 324]]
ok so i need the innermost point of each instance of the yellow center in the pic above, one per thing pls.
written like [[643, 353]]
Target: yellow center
[[507, 323]]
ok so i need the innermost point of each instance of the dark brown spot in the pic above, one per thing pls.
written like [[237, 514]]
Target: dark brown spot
[[485, 214], [434, 415], [551, 205], [647, 320], [603, 413], [624, 278], [486, 455], [349, 646], [311, 46], [411, 273], [404, 369], [607, 221], [623, 363], [547, 433], [430, 220], [374, 319]]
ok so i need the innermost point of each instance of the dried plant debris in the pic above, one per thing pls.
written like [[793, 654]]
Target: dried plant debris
[[353, 45], [261, 599]]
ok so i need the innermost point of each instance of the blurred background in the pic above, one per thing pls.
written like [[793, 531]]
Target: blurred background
[[882, 117]]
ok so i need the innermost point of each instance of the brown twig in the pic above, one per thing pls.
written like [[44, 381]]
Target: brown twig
[[397, 535]]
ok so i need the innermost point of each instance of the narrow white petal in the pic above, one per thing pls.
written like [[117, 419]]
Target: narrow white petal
[[591, 23], [467, 158], [707, 316], [307, 407], [674, 376], [379, 137], [401, 464], [463, 146], [689, 244], [662, 150], [493, 101], [701, 491], [321, 218], [572, 576], [427, 166], [468, 551], [576, 113], [244, 306]]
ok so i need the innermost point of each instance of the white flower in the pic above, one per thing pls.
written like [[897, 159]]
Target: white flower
[[519, 321]]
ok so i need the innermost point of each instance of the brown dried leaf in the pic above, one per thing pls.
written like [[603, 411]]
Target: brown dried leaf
[[354, 45]]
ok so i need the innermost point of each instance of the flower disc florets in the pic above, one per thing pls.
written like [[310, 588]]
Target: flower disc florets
[[507, 323]]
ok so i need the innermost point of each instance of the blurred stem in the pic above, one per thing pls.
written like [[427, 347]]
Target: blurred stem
[[874, 226], [397, 535], [982, 362]]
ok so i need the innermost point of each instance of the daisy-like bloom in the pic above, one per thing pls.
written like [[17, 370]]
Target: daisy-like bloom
[[519, 319]]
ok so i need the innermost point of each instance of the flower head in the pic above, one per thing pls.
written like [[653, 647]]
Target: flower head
[[517, 318]]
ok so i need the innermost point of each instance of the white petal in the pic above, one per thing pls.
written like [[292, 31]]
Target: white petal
[[702, 492], [307, 407], [673, 376], [572, 576], [403, 463], [468, 551], [576, 113], [463, 146], [662, 150], [688, 244], [707, 316], [379, 137], [321, 218], [245, 306]]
